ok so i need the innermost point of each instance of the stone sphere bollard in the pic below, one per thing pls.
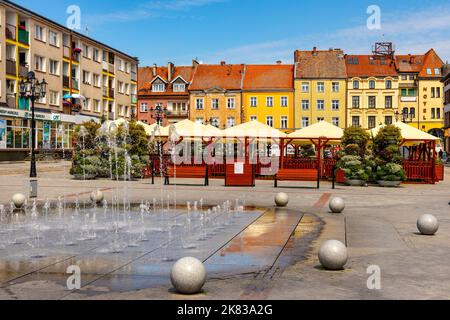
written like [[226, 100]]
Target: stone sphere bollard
[[97, 196], [281, 199], [428, 224], [188, 276], [19, 200], [337, 205], [333, 255]]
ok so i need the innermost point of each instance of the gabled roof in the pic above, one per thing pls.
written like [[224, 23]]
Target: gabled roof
[[431, 61], [226, 76], [269, 77], [146, 78], [411, 63], [320, 64], [370, 66]]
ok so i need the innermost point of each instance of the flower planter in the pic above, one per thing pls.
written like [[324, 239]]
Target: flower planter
[[84, 177], [389, 184], [354, 183], [439, 169]]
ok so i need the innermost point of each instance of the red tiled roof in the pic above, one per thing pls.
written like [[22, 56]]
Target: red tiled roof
[[320, 64], [431, 61], [410, 63], [269, 77], [224, 76], [146, 77], [370, 66]]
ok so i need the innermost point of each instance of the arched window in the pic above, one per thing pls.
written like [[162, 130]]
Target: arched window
[[372, 84]]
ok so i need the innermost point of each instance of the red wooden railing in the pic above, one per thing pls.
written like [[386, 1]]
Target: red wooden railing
[[419, 171]]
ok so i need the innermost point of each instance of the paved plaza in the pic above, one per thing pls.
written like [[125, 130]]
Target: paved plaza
[[378, 226]]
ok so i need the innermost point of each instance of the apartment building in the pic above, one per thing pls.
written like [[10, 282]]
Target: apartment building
[[86, 80], [446, 83], [216, 95], [320, 87], [268, 95], [165, 87], [372, 90]]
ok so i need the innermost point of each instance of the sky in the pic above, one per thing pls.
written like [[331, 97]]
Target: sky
[[253, 31]]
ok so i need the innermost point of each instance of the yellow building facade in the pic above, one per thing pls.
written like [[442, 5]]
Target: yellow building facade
[[320, 87]]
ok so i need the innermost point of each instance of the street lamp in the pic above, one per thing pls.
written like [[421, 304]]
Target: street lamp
[[158, 114], [33, 90]]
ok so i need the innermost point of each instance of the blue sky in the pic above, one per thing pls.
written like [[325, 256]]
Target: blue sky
[[253, 31]]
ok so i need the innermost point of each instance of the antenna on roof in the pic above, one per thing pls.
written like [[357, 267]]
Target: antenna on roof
[[384, 49]]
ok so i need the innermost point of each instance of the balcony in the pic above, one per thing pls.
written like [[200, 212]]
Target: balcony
[[24, 37], [11, 32], [111, 93], [23, 70], [76, 56], [105, 66], [11, 67], [177, 113], [66, 52], [11, 100], [408, 99], [75, 84], [66, 81], [105, 92]]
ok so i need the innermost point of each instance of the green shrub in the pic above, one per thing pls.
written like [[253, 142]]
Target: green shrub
[[391, 172]]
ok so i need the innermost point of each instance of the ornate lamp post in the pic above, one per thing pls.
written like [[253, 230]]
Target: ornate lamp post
[[34, 90], [158, 114]]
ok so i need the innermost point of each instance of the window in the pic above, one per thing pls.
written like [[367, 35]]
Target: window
[[320, 87], [86, 50], [199, 104], [269, 121], [39, 33], [127, 88], [87, 78], [355, 84], [305, 105], [320, 105], [87, 104], [355, 102], [305, 122], [179, 87], [355, 121], [231, 103], [39, 63], [215, 104], [433, 113], [335, 104], [231, 122], [438, 113], [372, 84], [144, 107], [253, 118], [438, 92], [412, 113], [412, 77], [53, 38], [437, 71], [372, 121], [388, 84], [269, 101], [305, 87], [335, 87], [96, 54], [388, 120], [97, 106], [372, 102], [429, 71], [284, 101], [388, 102], [404, 77], [335, 121], [319, 119], [53, 67], [120, 64], [253, 102], [199, 120], [158, 87], [54, 98], [433, 92], [96, 80], [284, 122]]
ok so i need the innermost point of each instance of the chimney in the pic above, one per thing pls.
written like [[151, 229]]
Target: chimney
[[314, 51], [195, 62], [279, 62], [222, 63], [170, 71], [154, 70], [412, 59]]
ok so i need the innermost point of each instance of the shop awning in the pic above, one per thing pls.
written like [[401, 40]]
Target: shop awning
[[321, 130], [411, 136], [188, 129]]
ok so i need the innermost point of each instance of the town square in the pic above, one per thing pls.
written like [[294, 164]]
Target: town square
[[317, 174]]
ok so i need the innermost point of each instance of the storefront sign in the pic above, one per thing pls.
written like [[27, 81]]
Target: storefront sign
[[2, 134], [56, 117]]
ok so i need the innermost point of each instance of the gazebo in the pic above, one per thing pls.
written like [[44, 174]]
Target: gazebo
[[319, 135], [420, 165]]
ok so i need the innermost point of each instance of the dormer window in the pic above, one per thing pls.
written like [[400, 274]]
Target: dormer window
[[158, 87], [179, 87]]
